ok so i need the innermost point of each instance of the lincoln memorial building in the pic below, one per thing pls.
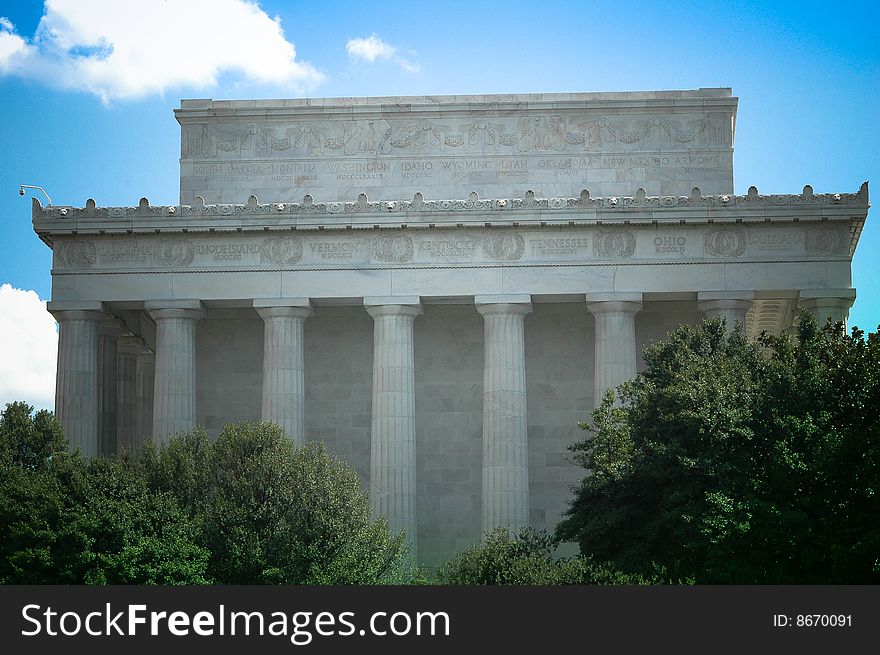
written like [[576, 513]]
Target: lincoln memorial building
[[438, 288]]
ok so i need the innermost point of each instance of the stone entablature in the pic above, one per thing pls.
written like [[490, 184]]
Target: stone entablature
[[498, 145]]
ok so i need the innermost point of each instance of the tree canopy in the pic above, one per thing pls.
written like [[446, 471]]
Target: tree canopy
[[248, 508], [734, 461]]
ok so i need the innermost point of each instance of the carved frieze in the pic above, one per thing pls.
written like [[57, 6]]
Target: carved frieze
[[503, 247], [614, 244], [281, 251], [826, 241], [433, 247], [727, 242], [76, 253], [537, 133], [392, 249], [174, 252]]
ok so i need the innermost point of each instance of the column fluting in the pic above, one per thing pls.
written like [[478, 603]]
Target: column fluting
[[146, 378], [174, 391], [109, 332], [77, 377], [283, 381], [505, 480], [616, 358], [393, 432], [128, 349]]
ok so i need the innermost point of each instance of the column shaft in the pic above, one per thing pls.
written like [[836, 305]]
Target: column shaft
[[109, 332], [616, 358], [146, 375], [393, 436], [174, 392], [77, 377], [505, 424], [283, 382], [127, 351]]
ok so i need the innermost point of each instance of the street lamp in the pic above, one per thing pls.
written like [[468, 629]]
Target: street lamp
[[22, 187]]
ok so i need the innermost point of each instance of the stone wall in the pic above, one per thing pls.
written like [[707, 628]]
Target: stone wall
[[338, 343], [229, 368]]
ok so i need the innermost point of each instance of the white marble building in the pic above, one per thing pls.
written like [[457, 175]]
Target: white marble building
[[437, 287]]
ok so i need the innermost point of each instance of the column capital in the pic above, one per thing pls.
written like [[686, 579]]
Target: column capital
[[393, 306], [720, 301], [725, 295], [146, 354], [503, 304], [191, 309], [826, 298], [292, 307], [85, 310], [111, 327], [130, 345], [600, 303]]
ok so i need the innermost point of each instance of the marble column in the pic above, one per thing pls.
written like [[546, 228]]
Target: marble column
[[283, 382], [616, 356], [174, 391], [827, 303], [77, 375], [505, 425], [393, 433], [109, 332], [146, 377], [128, 349], [729, 305]]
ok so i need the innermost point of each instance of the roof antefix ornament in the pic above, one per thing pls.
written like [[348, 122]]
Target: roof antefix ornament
[[585, 201]]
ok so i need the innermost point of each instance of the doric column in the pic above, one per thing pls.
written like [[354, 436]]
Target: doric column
[[505, 426], [828, 303], [146, 377], [729, 305], [128, 349], [283, 384], [616, 358], [76, 381], [174, 392], [109, 332], [393, 435]]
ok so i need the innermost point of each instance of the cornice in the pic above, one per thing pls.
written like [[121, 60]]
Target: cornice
[[201, 110], [254, 216]]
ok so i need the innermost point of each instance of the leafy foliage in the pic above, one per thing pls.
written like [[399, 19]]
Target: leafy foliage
[[65, 520], [271, 513], [529, 558], [248, 508], [731, 461]]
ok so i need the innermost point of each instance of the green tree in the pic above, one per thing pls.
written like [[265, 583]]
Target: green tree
[[732, 461], [273, 513], [529, 557], [65, 520]]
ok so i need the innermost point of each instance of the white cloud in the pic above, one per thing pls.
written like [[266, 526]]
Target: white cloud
[[373, 47], [370, 48], [10, 44], [121, 50], [28, 348], [408, 66]]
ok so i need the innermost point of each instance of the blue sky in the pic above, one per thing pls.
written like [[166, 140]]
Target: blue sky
[[807, 75]]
